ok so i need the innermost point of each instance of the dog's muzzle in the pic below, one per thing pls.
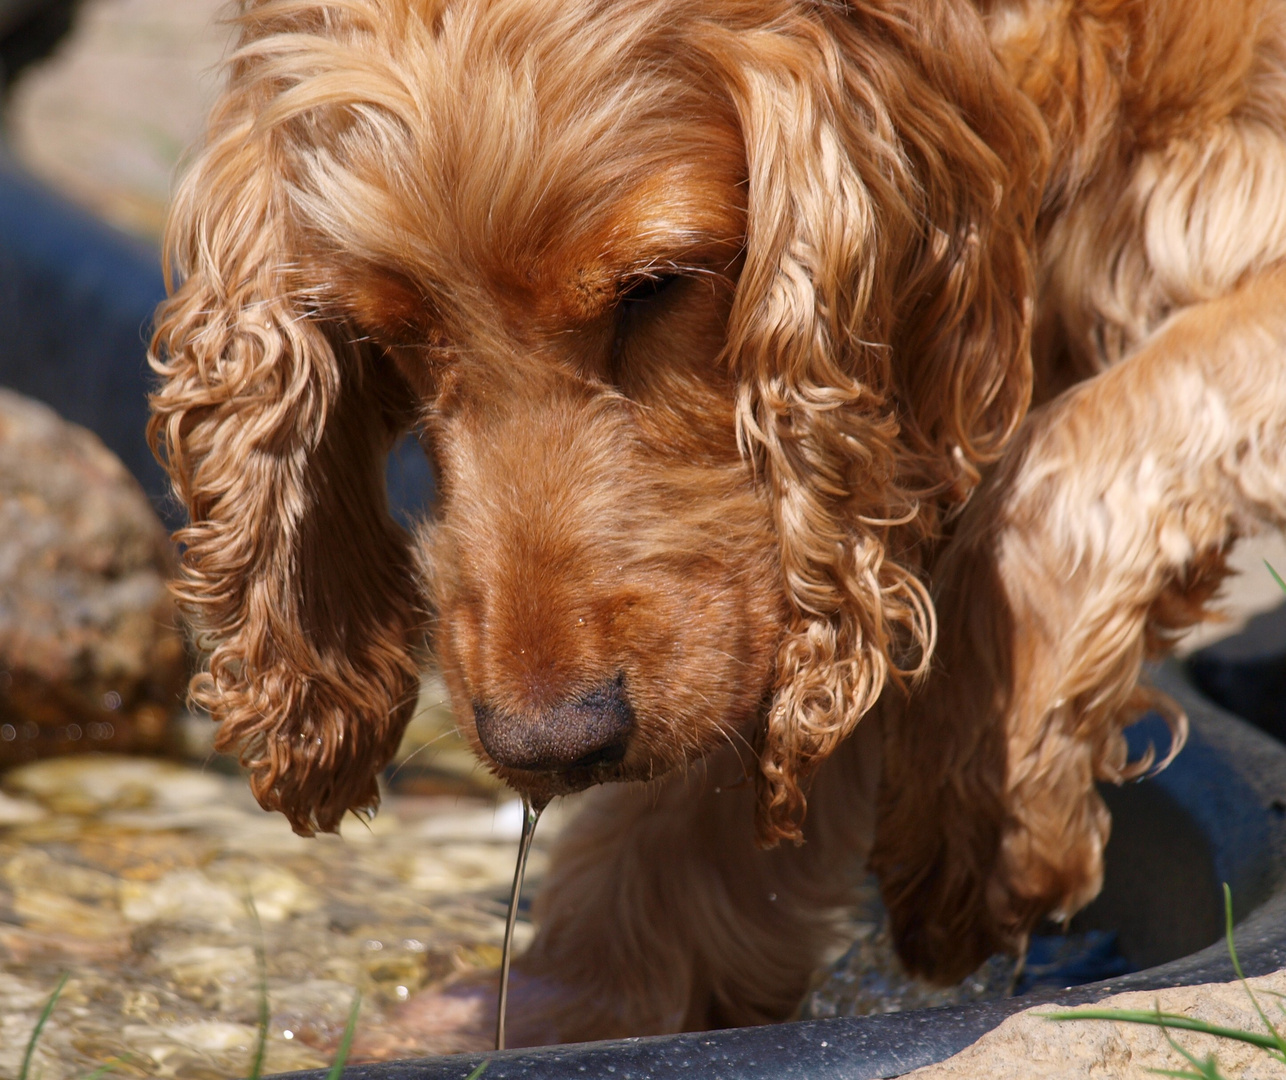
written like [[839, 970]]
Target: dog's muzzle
[[586, 735]]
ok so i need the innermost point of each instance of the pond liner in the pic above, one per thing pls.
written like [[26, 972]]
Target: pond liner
[[1229, 780]]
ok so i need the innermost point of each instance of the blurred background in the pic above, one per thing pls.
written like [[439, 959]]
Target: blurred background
[[102, 100]]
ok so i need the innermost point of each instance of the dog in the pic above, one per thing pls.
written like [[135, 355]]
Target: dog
[[831, 403]]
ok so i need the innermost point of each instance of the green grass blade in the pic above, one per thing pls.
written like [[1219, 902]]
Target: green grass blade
[[261, 966], [345, 1044], [1280, 1043], [40, 1026], [1201, 1070], [1169, 1020], [1276, 576], [479, 1070], [1227, 933], [1205, 1070]]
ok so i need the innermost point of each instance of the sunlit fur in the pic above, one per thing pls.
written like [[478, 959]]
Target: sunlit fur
[[1103, 532], [750, 492]]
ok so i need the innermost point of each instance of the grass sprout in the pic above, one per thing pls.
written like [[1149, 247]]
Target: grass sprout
[[1270, 1040], [261, 967], [40, 1026], [345, 1043], [1207, 1069]]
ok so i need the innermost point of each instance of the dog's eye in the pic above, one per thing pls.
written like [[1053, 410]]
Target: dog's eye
[[638, 291], [636, 298]]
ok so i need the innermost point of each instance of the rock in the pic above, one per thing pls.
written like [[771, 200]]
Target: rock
[[91, 656], [1030, 1046]]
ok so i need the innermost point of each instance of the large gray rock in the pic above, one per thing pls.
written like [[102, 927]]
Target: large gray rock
[[90, 652]]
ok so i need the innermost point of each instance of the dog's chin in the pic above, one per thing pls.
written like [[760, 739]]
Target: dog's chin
[[539, 787]]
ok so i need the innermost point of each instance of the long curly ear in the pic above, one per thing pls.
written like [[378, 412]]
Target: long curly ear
[[881, 331], [274, 429]]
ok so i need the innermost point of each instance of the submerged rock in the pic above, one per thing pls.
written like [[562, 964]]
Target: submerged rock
[[91, 656]]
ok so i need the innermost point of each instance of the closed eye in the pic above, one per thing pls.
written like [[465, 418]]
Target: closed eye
[[639, 291], [635, 298]]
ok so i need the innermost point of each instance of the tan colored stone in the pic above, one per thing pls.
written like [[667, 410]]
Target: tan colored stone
[[1030, 1046], [90, 653]]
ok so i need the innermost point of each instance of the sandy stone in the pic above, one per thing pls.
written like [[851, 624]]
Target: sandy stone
[[90, 653], [1029, 1046]]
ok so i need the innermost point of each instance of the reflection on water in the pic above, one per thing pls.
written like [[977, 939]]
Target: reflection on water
[[132, 876]]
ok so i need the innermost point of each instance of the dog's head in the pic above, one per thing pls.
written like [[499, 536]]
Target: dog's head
[[704, 311]]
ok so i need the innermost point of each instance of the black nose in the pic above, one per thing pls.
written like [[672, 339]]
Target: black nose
[[592, 730]]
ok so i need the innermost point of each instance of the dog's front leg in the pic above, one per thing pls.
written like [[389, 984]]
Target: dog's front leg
[[1099, 537]]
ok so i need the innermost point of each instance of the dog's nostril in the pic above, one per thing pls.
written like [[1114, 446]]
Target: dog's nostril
[[594, 729]]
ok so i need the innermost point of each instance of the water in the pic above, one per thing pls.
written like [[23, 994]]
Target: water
[[131, 876], [531, 811]]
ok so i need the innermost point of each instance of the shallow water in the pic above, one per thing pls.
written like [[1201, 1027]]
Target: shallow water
[[132, 876], [869, 978]]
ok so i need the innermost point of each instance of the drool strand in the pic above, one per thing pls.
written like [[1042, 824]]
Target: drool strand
[[530, 815]]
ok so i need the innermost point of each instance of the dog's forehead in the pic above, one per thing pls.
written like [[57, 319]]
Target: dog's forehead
[[527, 150], [558, 179], [679, 214]]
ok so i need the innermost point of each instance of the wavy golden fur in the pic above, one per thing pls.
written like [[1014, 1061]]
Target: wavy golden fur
[[717, 319]]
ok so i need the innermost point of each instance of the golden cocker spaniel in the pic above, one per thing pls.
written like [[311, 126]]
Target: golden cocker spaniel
[[722, 323]]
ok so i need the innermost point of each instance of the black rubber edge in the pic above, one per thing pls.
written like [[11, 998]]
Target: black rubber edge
[[1230, 778]]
